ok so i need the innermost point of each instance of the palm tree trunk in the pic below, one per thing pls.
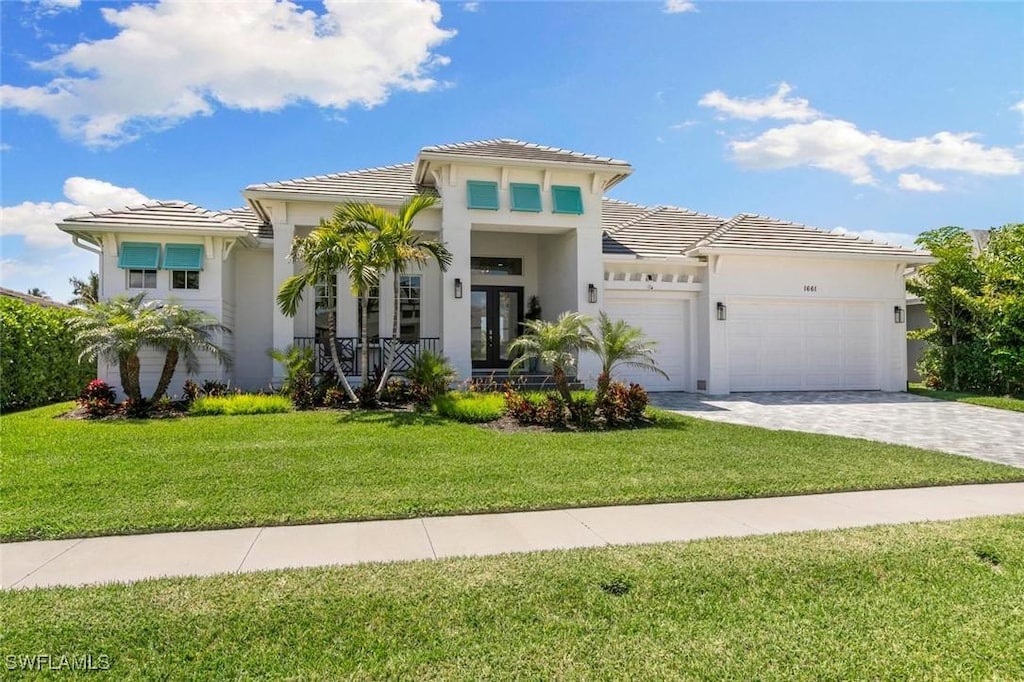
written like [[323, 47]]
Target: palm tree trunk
[[128, 368], [562, 384], [170, 362], [364, 338], [390, 363], [604, 379], [332, 342]]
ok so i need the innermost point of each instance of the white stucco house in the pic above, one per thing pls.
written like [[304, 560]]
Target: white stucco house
[[744, 303]]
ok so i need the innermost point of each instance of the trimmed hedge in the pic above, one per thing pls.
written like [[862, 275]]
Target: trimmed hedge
[[245, 403], [38, 356]]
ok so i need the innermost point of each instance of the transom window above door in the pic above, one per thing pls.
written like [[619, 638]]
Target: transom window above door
[[488, 265]]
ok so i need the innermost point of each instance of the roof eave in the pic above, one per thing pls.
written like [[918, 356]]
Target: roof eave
[[897, 257], [620, 171], [252, 195], [228, 231]]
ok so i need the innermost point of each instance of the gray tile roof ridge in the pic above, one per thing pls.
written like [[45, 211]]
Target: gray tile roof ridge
[[469, 145], [648, 212], [332, 176], [721, 229], [218, 216]]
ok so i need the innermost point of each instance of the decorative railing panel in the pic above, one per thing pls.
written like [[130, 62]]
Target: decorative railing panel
[[350, 358]]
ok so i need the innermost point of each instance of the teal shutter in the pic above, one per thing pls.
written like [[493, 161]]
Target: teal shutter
[[183, 257], [525, 197], [139, 256], [566, 199], [482, 195]]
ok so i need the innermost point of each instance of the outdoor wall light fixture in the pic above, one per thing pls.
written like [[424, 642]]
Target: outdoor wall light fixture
[[458, 288], [721, 311], [898, 314], [592, 293]]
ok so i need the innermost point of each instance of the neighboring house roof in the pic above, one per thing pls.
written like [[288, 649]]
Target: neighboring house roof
[[35, 300], [517, 150], [386, 184], [659, 232], [757, 232]]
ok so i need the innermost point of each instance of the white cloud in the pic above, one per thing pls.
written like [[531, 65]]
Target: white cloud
[[912, 182], [61, 4], [471, 6], [679, 6], [841, 147], [177, 59], [4, 147], [1018, 107], [35, 221], [683, 125], [779, 106]]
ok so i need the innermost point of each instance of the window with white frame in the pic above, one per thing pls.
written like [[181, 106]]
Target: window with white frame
[[184, 279], [409, 308], [141, 279]]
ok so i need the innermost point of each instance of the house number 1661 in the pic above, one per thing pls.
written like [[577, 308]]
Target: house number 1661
[[810, 287]]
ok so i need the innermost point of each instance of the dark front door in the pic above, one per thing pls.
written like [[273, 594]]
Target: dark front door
[[495, 315]]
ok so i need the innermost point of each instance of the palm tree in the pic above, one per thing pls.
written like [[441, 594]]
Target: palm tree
[[329, 248], [555, 344], [86, 291], [398, 248], [37, 292], [185, 331], [619, 344], [116, 330]]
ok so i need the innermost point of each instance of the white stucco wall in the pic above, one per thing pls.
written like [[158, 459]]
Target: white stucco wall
[[254, 317]]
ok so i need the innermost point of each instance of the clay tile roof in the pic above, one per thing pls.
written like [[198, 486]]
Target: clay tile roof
[[659, 232], [752, 231], [250, 221], [387, 184], [158, 214], [506, 148]]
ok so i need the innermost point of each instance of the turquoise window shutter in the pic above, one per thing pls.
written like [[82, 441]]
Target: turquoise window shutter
[[566, 199], [525, 197], [482, 195], [139, 256], [183, 257]]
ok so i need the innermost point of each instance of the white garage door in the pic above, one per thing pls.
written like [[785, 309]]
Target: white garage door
[[803, 345], [663, 318]]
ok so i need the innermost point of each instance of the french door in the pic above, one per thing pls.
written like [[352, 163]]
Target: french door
[[495, 313]]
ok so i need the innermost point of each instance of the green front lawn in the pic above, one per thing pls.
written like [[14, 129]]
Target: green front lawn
[[1002, 402], [935, 601], [65, 478]]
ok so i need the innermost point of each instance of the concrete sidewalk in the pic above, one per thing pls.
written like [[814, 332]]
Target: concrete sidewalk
[[135, 557]]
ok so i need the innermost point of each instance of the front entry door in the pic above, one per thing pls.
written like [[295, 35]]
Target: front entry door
[[496, 313]]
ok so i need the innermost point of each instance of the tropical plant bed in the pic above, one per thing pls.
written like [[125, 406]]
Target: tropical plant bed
[[79, 478], [938, 601]]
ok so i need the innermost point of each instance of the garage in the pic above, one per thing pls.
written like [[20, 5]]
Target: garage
[[780, 345], [663, 317]]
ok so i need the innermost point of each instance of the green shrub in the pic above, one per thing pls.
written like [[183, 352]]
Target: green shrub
[[39, 356], [430, 374], [470, 407], [245, 403]]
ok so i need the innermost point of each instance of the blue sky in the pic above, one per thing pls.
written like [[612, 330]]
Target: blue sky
[[884, 119]]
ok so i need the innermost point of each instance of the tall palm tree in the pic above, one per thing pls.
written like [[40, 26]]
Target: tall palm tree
[[185, 331], [619, 344], [555, 344], [86, 291], [323, 253], [398, 249], [37, 292], [116, 330]]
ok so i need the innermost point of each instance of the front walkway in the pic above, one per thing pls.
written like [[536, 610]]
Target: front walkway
[[902, 418], [136, 557]]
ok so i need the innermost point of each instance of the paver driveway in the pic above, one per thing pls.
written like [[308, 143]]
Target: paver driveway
[[982, 432]]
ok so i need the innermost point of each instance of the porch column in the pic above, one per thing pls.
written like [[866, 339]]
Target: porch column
[[589, 271], [455, 317], [284, 326]]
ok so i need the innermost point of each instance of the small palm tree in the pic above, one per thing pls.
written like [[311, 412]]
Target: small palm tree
[[186, 331], [555, 344], [619, 344], [397, 248], [86, 291], [327, 250], [116, 330]]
